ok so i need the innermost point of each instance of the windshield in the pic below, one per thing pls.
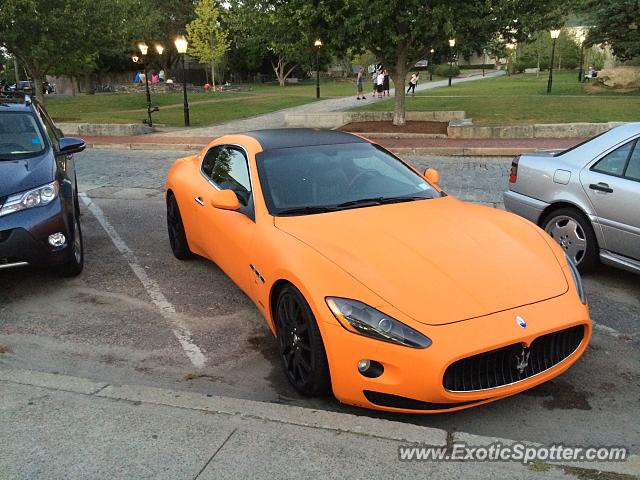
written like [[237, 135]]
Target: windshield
[[314, 179], [20, 136]]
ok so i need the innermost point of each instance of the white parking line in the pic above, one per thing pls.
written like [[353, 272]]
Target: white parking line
[[608, 330], [167, 310]]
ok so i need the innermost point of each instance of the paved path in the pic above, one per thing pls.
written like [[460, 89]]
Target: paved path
[[276, 119]]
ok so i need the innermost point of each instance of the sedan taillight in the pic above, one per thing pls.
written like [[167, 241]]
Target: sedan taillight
[[513, 176]]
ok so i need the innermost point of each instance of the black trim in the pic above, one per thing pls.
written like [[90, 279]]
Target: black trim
[[276, 138], [396, 401]]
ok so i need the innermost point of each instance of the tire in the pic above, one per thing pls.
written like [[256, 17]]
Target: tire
[[574, 233], [177, 234], [302, 354], [74, 266]]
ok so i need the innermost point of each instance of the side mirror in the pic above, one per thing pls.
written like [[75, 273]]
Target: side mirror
[[225, 200], [432, 175], [69, 145]]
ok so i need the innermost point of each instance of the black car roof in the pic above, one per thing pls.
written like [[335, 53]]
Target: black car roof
[[271, 139]]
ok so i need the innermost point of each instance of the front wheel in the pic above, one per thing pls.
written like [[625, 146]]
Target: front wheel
[[302, 353], [574, 233], [74, 266]]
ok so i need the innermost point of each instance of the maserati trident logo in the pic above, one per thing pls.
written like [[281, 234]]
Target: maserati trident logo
[[520, 321], [521, 360]]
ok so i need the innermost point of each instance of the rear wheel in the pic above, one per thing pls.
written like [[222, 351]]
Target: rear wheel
[[574, 233], [73, 267], [175, 227], [302, 353]]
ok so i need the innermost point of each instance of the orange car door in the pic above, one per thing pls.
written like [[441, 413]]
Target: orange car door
[[227, 235]]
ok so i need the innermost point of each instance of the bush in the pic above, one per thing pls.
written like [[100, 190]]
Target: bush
[[445, 70]]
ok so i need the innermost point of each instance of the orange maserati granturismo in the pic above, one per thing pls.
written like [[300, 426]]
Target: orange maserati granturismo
[[378, 285]]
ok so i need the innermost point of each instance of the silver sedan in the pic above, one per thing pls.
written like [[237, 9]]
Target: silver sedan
[[587, 198]]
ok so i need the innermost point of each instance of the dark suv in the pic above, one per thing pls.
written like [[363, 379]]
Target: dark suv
[[39, 209]]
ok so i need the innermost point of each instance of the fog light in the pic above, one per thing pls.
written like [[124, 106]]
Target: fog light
[[363, 365], [370, 368], [57, 239]]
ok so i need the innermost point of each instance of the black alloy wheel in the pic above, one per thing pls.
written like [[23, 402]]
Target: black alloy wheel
[[175, 228], [302, 352]]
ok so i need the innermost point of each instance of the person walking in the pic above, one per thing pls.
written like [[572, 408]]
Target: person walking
[[380, 84], [374, 83], [360, 84], [412, 83], [385, 82]]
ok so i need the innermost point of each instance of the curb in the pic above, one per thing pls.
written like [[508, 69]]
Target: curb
[[273, 412], [446, 151]]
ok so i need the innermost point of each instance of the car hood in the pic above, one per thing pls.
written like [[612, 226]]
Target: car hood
[[437, 261], [20, 175]]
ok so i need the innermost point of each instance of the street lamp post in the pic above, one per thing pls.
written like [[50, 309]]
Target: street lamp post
[[318, 45], [554, 36], [432, 51], [484, 59], [581, 71], [510, 49], [181, 46], [144, 49], [452, 43]]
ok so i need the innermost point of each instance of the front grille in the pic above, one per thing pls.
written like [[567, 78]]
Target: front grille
[[507, 365]]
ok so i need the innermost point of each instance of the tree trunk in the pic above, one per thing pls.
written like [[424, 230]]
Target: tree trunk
[[281, 73], [37, 85], [213, 76], [399, 76]]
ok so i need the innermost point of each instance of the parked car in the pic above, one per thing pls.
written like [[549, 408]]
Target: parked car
[[39, 210], [587, 198], [25, 86], [377, 284]]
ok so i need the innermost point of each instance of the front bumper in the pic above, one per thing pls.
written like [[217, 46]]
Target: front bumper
[[413, 378], [24, 235], [524, 206]]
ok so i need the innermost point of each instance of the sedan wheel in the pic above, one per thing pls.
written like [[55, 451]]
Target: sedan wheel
[[302, 353], [574, 234]]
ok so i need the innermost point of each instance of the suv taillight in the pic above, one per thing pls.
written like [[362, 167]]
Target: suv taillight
[[513, 176]]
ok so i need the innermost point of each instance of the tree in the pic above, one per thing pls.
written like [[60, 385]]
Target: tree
[[208, 42], [66, 36], [617, 23], [401, 33], [280, 29]]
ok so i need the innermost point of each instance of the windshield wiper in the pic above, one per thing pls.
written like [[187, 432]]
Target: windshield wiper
[[380, 201], [306, 210]]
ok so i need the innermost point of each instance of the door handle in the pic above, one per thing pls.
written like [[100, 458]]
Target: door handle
[[199, 201], [601, 187]]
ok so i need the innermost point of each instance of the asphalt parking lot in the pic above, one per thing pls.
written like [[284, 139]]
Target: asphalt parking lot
[[121, 324]]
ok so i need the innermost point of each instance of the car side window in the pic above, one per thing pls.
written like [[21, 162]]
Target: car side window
[[52, 131], [227, 167], [613, 163], [633, 167]]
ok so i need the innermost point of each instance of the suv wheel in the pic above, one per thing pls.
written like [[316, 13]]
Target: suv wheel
[[73, 267]]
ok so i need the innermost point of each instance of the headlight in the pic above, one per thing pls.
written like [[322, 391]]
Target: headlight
[[360, 318], [33, 198], [577, 280]]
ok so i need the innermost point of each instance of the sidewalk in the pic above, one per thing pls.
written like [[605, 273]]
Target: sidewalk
[[407, 146], [55, 426]]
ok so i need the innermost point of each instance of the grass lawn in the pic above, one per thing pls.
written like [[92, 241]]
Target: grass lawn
[[522, 99], [204, 108]]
